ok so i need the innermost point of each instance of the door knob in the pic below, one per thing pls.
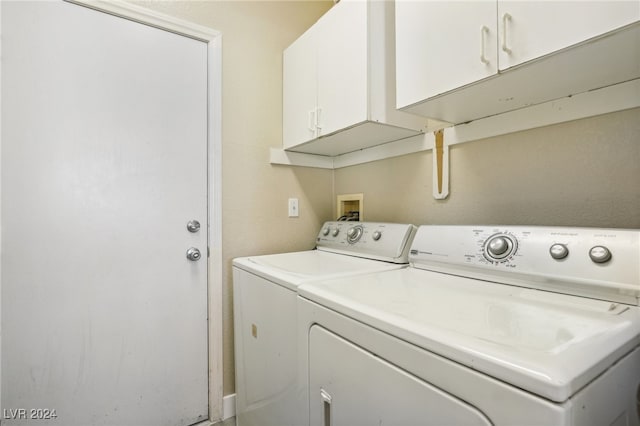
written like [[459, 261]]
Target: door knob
[[193, 226], [193, 254]]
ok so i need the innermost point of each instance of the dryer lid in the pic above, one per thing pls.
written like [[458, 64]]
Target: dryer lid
[[549, 344]]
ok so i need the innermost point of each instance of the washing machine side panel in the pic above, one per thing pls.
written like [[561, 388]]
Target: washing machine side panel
[[613, 399], [350, 386], [265, 351]]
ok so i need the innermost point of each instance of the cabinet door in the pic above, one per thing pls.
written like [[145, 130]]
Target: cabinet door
[[342, 66], [443, 45], [299, 88], [531, 29]]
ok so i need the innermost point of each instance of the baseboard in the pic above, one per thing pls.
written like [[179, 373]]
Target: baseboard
[[228, 406]]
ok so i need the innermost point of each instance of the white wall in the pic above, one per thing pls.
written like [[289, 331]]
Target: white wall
[[580, 173]]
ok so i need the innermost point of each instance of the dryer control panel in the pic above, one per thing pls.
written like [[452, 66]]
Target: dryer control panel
[[373, 240], [591, 262]]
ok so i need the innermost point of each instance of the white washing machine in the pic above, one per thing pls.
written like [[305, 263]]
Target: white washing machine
[[489, 326], [265, 291]]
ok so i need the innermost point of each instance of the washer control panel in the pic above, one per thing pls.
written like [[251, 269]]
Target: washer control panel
[[593, 262], [374, 240]]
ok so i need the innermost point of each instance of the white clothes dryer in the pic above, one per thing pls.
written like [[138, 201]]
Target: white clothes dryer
[[489, 326], [265, 291]]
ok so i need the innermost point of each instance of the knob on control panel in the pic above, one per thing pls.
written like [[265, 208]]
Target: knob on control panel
[[325, 231], [500, 247], [335, 232], [354, 234], [376, 235], [559, 251], [600, 254]]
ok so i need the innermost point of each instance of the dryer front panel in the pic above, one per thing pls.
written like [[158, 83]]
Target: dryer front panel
[[351, 386]]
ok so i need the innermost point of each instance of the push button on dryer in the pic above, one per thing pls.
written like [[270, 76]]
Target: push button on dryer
[[559, 251], [600, 254]]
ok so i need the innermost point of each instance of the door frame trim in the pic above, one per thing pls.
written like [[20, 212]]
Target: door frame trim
[[213, 39]]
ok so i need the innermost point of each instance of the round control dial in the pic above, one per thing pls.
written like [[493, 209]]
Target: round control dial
[[600, 254], [335, 232], [500, 246], [354, 234], [325, 231], [376, 235], [558, 251]]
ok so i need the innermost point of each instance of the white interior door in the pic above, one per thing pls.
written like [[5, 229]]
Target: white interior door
[[103, 163]]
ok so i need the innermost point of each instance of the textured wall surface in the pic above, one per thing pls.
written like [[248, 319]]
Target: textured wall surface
[[580, 173]]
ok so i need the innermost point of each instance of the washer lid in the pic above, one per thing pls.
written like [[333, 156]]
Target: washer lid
[[292, 269], [547, 343]]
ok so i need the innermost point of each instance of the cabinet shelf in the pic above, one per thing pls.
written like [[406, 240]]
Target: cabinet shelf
[[354, 138], [609, 99]]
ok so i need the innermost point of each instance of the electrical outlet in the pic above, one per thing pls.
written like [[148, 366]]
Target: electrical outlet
[[293, 207]]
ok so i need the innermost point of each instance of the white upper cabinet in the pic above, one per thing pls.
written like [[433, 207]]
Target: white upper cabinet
[[339, 83], [532, 29], [441, 46], [463, 60], [300, 74], [342, 67]]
